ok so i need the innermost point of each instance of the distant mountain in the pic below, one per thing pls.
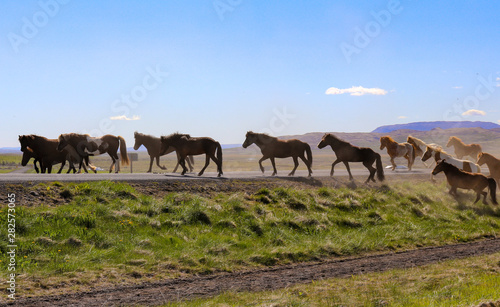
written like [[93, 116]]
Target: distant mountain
[[426, 126], [10, 150]]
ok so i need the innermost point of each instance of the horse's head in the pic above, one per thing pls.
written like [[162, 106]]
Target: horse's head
[[165, 143], [427, 154], [383, 142], [451, 141], [249, 139], [23, 140], [27, 155], [325, 141], [481, 158], [138, 140], [440, 166], [61, 142]]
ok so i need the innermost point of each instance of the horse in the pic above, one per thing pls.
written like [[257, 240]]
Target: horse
[[465, 180], [346, 152], [27, 155], [395, 149], [462, 149], [85, 146], [419, 146], [153, 145], [271, 148], [492, 163], [45, 152], [439, 154], [186, 146]]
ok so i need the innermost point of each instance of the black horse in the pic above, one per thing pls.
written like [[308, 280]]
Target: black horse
[[346, 152]]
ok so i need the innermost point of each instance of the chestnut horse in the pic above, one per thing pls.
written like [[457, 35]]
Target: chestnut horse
[[492, 163], [85, 146], [153, 145], [395, 149], [346, 152], [464, 180], [271, 148], [45, 151], [187, 146], [462, 149]]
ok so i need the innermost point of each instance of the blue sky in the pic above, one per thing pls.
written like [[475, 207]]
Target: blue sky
[[221, 67]]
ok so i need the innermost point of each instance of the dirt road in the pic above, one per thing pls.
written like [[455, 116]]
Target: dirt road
[[258, 280]]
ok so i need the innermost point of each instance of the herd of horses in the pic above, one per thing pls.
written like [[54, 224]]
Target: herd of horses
[[77, 148]]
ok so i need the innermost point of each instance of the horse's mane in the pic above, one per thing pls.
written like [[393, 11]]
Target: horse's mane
[[175, 135], [337, 138], [438, 148], [264, 136], [456, 139], [388, 138], [144, 135], [417, 140]]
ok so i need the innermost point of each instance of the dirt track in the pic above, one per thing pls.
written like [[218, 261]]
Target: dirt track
[[258, 280]]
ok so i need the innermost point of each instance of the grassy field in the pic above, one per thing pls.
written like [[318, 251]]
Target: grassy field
[[107, 233]]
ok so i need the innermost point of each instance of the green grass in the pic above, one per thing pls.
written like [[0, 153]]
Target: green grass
[[109, 233], [465, 282]]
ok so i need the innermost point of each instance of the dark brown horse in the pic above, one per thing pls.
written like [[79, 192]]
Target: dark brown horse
[[45, 152], [27, 155], [85, 146], [462, 149], [271, 148], [464, 180], [153, 145], [186, 146], [346, 152]]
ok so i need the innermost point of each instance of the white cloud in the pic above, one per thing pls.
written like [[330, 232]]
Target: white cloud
[[457, 87], [123, 117], [356, 91], [402, 117], [473, 112]]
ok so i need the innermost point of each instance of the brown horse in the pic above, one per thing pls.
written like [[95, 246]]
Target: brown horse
[[85, 146], [346, 152], [153, 145], [186, 146], [464, 180], [492, 163], [271, 148], [395, 149], [462, 149], [45, 152]]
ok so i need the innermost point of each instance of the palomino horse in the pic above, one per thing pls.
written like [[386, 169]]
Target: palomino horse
[[45, 152], [492, 163], [271, 148], [419, 146], [153, 145], [395, 149], [439, 154], [85, 146], [187, 146], [346, 152], [464, 180], [462, 149]]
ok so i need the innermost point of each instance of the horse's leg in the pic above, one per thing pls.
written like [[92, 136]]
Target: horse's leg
[[274, 166], [217, 162], [307, 164], [333, 165], [190, 161], [348, 170], [207, 161], [62, 165], [37, 170], [393, 163], [151, 158], [260, 163], [182, 162], [484, 197], [158, 163], [371, 169], [296, 164]]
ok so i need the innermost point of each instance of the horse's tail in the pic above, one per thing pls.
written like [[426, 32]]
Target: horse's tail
[[309, 156], [123, 151], [219, 157], [380, 168], [493, 187]]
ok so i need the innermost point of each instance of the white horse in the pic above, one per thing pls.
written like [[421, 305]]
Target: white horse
[[439, 154], [420, 147]]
